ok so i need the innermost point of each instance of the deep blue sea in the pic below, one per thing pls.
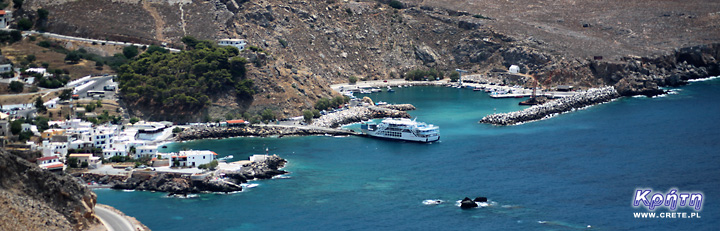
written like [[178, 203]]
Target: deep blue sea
[[564, 173]]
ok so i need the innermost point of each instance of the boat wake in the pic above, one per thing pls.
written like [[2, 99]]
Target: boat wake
[[249, 185], [181, 196], [704, 79], [433, 202]]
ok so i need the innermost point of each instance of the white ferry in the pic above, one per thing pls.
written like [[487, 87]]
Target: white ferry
[[402, 129]]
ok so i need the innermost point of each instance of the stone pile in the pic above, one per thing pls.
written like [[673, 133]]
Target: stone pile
[[580, 100], [357, 114]]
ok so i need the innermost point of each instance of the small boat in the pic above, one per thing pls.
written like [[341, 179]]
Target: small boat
[[389, 89]]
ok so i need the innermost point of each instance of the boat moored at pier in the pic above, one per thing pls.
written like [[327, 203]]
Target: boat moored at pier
[[402, 129]]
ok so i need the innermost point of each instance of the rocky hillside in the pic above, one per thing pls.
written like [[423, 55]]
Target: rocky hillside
[[35, 199], [306, 45]]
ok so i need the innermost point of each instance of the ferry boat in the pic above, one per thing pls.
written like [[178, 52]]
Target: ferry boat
[[402, 129]]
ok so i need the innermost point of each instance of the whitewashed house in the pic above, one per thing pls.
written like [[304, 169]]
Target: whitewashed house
[[192, 158], [239, 43]]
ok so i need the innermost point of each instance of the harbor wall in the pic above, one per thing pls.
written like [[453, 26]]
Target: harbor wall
[[580, 100]]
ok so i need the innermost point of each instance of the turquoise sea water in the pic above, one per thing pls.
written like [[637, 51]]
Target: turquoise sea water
[[564, 173]]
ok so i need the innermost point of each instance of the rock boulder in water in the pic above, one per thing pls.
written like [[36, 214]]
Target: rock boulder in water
[[467, 203], [480, 199]]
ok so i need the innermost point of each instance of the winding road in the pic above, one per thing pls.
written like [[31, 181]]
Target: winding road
[[112, 220]]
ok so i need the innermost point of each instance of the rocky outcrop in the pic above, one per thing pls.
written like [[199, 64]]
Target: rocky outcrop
[[100, 178], [35, 199], [579, 100], [400, 107], [265, 169], [468, 203], [175, 183]]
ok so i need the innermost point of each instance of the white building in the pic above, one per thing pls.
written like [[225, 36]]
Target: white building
[[5, 68], [146, 151], [239, 43], [52, 104], [58, 149], [116, 151], [50, 163], [258, 158], [192, 158], [514, 69], [39, 70], [5, 18], [93, 161]]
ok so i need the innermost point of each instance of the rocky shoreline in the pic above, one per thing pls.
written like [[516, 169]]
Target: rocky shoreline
[[580, 100], [357, 114], [176, 183]]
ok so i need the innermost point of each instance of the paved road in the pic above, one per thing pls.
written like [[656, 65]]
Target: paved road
[[65, 37], [97, 85], [112, 220]]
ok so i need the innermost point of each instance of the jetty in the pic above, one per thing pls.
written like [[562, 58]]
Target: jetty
[[550, 108], [259, 130]]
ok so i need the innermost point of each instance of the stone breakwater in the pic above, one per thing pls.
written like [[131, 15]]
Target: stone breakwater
[[175, 183], [256, 130], [580, 100], [357, 114]]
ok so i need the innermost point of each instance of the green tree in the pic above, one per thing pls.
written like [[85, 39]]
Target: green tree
[[155, 48], [316, 113], [16, 86], [308, 116], [16, 126], [189, 41], [39, 105], [42, 123], [25, 135], [134, 120], [72, 57], [72, 162], [267, 115], [24, 24], [15, 35], [454, 76], [30, 58], [177, 130], [43, 14], [130, 52], [353, 79], [18, 3]]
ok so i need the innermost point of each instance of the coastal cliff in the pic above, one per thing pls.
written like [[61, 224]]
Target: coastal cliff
[[35, 199]]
